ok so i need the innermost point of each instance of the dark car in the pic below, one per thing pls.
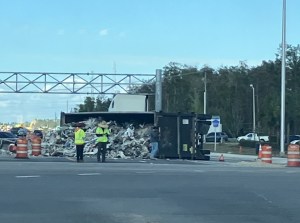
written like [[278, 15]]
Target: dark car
[[210, 137], [7, 138], [16, 130]]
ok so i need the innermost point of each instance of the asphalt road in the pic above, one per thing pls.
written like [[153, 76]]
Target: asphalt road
[[147, 192]]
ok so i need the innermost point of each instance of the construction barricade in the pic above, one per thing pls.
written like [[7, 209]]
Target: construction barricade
[[293, 155], [259, 151], [12, 148], [266, 154], [36, 145], [22, 148]]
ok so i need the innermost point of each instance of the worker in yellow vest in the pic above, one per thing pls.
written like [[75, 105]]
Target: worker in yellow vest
[[79, 142], [102, 132]]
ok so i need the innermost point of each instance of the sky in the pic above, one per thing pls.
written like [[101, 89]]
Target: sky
[[131, 36]]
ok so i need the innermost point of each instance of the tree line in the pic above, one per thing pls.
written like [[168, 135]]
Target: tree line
[[229, 94]]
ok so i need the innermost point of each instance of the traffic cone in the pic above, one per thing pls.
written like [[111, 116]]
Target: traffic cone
[[259, 152], [221, 158]]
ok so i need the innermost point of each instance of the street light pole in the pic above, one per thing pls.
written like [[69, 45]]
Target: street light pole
[[204, 106], [253, 102], [283, 56]]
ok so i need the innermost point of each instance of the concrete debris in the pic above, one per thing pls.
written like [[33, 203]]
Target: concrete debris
[[125, 141]]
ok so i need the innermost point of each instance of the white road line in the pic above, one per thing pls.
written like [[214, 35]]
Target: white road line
[[292, 171], [27, 176], [145, 172], [199, 171], [88, 174]]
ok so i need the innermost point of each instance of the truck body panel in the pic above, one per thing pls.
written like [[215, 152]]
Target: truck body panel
[[129, 103]]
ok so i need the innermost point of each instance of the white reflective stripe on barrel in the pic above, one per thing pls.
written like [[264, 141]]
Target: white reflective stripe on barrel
[[293, 160], [293, 153], [21, 151], [267, 152]]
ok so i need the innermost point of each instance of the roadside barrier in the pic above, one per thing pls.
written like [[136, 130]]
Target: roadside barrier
[[22, 149], [221, 158], [36, 145], [259, 152], [266, 154], [293, 155], [12, 148]]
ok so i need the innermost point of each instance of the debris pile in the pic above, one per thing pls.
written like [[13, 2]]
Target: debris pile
[[125, 141]]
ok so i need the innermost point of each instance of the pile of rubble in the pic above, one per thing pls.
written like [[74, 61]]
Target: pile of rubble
[[125, 141]]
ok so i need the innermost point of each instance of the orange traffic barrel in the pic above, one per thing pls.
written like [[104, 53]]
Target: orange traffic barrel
[[22, 149], [12, 148], [266, 154], [293, 155], [36, 146]]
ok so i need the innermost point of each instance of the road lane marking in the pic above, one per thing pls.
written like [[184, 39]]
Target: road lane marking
[[27, 176], [199, 171], [88, 174], [144, 172]]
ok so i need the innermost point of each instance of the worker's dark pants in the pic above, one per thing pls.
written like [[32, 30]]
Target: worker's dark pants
[[79, 152], [101, 149]]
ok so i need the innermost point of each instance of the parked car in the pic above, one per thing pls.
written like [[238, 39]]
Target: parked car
[[7, 138], [17, 130], [210, 137]]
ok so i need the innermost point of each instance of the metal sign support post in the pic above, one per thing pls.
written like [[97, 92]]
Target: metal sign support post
[[215, 145], [215, 124]]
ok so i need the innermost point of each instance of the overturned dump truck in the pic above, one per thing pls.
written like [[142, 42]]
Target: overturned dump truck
[[181, 135]]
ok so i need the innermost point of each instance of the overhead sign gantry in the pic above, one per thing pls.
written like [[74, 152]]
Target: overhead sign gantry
[[71, 83]]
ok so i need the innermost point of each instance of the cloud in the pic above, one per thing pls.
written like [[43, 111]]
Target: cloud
[[103, 32]]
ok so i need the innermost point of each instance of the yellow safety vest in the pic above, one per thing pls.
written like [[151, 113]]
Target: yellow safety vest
[[79, 137], [104, 133]]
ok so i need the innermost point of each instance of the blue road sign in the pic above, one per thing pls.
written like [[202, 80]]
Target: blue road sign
[[215, 122]]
